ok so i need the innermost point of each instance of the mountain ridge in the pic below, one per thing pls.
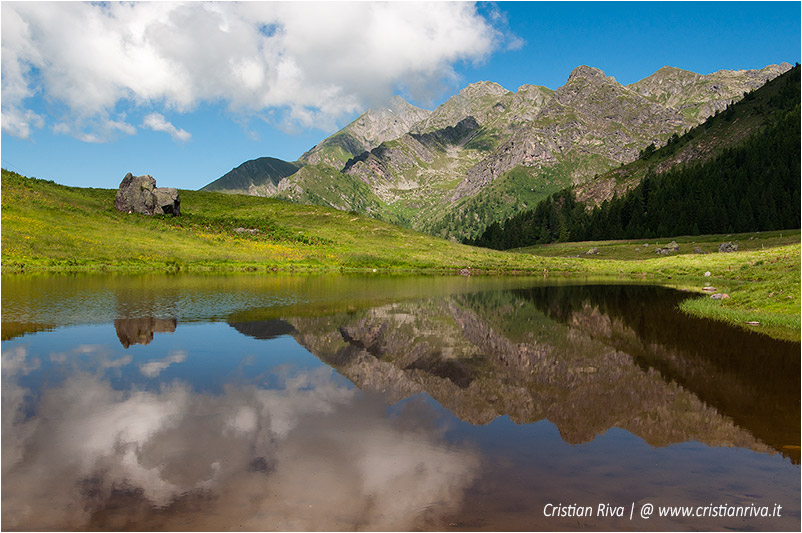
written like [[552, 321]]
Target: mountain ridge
[[521, 145]]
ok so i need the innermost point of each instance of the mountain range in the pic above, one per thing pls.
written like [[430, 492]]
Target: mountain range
[[488, 153]]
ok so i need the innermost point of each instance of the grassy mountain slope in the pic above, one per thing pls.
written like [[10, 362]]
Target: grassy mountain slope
[[46, 226]]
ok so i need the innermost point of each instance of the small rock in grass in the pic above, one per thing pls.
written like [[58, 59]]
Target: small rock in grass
[[592, 251], [720, 296], [707, 274], [709, 289], [753, 323], [698, 250]]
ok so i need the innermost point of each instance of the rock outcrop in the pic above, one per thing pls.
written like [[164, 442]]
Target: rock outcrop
[[139, 194], [669, 248]]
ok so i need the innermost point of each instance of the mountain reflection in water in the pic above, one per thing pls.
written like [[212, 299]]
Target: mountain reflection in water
[[420, 404], [584, 358]]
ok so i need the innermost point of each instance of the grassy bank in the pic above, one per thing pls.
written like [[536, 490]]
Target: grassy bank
[[50, 228], [762, 279]]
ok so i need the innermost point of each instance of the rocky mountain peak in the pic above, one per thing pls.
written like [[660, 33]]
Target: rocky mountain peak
[[584, 72], [698, 96], [480, 100], [483, 88], [369, 130], [385, 123]]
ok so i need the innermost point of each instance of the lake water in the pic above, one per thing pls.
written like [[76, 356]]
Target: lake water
[[253, 402]]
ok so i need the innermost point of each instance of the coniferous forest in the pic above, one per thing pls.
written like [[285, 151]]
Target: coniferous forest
[[754, 186]]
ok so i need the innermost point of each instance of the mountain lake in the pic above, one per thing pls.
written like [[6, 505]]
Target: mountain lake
[[366, 402]]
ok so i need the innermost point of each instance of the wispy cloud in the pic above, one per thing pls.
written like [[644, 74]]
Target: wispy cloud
[[157, 122], [310, 64]]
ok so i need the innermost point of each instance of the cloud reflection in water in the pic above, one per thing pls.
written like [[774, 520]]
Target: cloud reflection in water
[[311, 454]]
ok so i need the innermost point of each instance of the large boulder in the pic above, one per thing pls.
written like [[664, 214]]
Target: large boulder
[[139, 194], [727, 247]]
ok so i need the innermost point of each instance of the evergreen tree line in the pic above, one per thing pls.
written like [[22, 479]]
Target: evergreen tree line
[[752, 187]]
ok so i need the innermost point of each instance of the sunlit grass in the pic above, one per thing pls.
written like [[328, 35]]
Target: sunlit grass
[[50, 228]]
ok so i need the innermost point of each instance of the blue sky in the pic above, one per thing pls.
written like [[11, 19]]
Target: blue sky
[[186, 93]]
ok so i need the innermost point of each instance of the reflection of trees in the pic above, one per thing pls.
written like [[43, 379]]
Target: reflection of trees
[[744, 375], [140, 330], [264, 329], [534, 356]]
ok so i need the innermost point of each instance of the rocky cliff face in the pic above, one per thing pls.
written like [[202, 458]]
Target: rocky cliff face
[[488, 152], [591, 114]]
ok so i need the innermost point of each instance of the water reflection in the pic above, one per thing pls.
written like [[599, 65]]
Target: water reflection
[[140, 330], [559, 354], [743, 375], [325, 404], [310, 454]]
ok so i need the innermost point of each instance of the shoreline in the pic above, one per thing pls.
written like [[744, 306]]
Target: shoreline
[[775, 324]]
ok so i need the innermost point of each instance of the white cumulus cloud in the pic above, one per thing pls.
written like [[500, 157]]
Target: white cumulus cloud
[[303, 64], [157, 122]]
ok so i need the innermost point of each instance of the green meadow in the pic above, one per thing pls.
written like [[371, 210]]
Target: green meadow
[[48, 227]]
